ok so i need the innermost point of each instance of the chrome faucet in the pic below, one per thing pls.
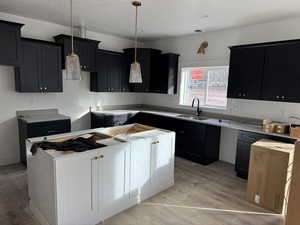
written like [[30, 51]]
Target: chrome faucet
[[198, 106]]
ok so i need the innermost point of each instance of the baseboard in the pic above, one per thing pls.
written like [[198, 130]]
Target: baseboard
[[9, 161]]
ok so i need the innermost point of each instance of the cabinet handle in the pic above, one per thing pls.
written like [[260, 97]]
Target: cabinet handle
[[277, 97], [101, 156], [283, 97], [155, 142], [51, 131], [81, 66]]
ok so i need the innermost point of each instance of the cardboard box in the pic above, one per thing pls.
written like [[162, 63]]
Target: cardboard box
[[269, 173], [293, 214]]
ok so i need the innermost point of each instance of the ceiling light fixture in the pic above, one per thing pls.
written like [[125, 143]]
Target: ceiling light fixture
[[73, 71], [135, 68]]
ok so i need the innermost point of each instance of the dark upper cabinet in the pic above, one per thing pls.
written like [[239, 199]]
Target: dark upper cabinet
[[265, 71], [40, 67], [111, 73], [86, 49], [10, 43], [246, 72], [165, 79], [149, 61], [281, 80]]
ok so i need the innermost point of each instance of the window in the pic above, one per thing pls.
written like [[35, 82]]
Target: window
[[209, 84]]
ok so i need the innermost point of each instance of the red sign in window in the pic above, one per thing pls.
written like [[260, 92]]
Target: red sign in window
[[198, 74]]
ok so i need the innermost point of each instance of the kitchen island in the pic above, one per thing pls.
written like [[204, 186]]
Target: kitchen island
[[134, 163]]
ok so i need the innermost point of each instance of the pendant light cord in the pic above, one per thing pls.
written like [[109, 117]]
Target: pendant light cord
[[135, 48], [72, 34]]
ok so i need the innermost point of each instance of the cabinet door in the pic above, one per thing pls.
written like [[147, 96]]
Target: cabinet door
[[99, 80], [90, 56], [194, 144], [9, 44], [114, 179], [28, 77], [245, 72], [77, 189], [162, 162], [114, 70], [140, 184], [282, 73], [51, 68], [144, 58]]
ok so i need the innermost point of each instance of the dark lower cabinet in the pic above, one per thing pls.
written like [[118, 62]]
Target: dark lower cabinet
[[197, 142], [110, 75], [39, 129], [40, 67], [99, 120], [10, 43], [245, 140], [194, 141]]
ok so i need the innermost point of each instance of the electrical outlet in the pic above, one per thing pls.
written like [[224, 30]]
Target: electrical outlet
[[257, 199]]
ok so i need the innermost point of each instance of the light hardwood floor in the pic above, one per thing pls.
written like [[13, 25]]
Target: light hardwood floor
[[202, 195]]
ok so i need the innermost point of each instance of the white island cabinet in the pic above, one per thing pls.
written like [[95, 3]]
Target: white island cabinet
[[88, 187]]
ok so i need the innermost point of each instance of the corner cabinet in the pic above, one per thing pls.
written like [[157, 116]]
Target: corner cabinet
[[86, 49], [164, 81], [149, 61], [10, 43], [110, 75], [265, 71], [40, 67]]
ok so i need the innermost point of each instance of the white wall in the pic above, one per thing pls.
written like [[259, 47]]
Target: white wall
[[218, 54], [74, 101]]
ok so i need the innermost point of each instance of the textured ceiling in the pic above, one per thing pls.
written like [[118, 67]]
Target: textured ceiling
[[158, 18]]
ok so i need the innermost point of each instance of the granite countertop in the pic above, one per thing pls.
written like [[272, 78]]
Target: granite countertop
[[35, 116], [243, 124]]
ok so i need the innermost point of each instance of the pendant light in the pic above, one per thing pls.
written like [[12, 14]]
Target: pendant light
[[135, 68], [73, 71]]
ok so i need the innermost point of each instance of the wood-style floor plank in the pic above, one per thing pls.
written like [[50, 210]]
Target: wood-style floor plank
[[202, 195]]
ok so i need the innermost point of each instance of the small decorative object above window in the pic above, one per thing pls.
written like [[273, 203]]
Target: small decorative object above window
[[202, 47]]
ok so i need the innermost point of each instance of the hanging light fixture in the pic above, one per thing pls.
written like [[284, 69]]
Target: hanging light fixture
[[135, 68], [73, 71]]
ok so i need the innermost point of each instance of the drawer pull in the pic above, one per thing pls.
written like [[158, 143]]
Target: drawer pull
[[155, 142], [52, 131]]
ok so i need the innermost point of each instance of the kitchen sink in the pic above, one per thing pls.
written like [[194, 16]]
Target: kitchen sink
[[193, 117]]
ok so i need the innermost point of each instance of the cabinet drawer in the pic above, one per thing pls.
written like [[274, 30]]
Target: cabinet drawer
[[48, 128]]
